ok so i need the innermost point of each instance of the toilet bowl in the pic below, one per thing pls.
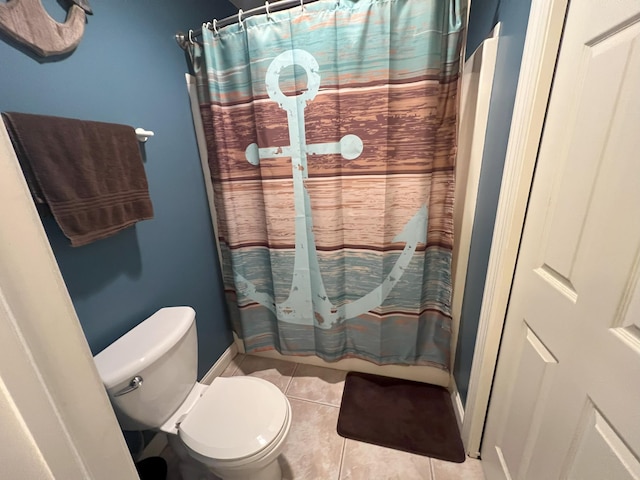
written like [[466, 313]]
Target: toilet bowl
[[236, 427], [252, 419]]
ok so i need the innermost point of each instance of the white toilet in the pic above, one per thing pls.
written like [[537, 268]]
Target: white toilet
[[236, 426]]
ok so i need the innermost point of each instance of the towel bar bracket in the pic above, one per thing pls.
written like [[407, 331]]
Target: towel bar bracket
[[143, 135]]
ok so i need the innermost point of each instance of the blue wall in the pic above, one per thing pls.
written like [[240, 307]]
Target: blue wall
[[128, 69], [514, 15]]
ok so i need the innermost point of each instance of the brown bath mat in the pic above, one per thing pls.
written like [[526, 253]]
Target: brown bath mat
[[410, 416]]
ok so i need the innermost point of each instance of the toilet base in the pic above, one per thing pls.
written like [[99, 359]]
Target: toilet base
[[192, 469], [270, 472]]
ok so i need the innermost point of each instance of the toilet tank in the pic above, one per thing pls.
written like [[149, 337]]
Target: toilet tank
[[149, 371]]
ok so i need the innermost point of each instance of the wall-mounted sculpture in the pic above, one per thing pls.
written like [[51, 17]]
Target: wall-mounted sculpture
[[27, 22]]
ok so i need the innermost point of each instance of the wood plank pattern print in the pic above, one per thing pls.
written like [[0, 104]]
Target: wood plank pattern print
[[333, 177]]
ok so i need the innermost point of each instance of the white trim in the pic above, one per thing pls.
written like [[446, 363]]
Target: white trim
[[239, 343], [418, 373], [534, 84], [221, 364], [475, 96], [458, 408]]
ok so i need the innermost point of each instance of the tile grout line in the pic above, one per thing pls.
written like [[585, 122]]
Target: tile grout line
[[313, 401], [344, 449], [295, 369], [431, 470]]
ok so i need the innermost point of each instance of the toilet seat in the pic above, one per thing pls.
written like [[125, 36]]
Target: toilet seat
[[237, 419]]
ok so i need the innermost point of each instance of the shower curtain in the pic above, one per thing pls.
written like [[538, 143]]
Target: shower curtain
[[331, 135]]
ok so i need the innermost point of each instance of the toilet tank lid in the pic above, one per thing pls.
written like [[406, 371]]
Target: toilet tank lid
[[143, 345]]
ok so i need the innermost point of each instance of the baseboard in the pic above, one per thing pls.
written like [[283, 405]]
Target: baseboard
[[221, 365], [458, 408], [157, 444], [239, 343], [418, 373]]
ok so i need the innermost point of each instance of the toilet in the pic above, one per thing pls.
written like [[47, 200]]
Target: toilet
[[235, 428]]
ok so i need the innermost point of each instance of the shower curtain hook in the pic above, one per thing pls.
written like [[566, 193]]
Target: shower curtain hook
[[191, 37], [302, 5], [215, 26], [240, 12], [266, 9]]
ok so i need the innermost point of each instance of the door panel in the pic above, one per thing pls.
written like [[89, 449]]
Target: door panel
[[530, 392], [566, 399], [598, 452]]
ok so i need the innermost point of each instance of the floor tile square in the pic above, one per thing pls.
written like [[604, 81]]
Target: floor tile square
[[314, 448], [471, 469], [363, 461], [317, 384], [273, 370]]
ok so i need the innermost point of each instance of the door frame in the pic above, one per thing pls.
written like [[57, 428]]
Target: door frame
[[58, 411], [542, 43]]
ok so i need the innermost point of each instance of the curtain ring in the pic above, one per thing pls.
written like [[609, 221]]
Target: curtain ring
[[266, 8], [215, 26], [302, 5], [191, 37], [240, 12]]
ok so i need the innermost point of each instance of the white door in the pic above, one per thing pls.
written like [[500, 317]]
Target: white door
[[566, 399]]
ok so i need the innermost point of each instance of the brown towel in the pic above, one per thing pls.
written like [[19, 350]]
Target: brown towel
[[89, 173]]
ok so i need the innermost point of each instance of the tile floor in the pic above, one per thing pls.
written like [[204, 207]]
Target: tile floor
[[314, 451]]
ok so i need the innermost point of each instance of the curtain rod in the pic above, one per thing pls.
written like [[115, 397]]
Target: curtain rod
[[183, 39]]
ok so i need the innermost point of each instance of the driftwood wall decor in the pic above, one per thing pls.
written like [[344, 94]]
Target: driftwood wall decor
[[27, 22]]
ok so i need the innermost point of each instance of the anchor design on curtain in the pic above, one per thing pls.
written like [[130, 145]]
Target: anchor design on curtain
[[308, 302]]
